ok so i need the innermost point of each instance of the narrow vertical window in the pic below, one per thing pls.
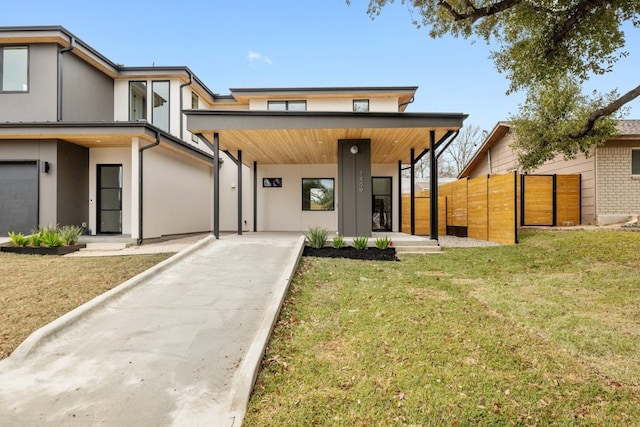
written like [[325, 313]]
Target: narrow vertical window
[[137, 101], [14, 69], [160, 115], [360, 105], [635, 162], [195, 103]]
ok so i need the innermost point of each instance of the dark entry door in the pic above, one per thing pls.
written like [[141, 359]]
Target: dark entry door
[[109, 199], [18, 197], [381, 203]]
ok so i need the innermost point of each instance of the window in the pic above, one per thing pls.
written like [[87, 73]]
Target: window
[[14, 69], [317, 194], [160, 112], [137, 101], [635, 162], [360, 105], [287, 105], [195, 103]]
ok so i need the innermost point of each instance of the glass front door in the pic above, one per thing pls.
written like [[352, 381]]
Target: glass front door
[[381, 203], [109, 199]]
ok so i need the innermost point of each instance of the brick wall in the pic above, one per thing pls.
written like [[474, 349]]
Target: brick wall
[[618, 193]]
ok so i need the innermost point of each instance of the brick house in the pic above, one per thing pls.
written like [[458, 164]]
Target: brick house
[[610, 175]]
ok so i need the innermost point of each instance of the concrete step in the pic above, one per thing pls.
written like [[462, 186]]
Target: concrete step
[[427, 249], [105, 246], [414, 243]]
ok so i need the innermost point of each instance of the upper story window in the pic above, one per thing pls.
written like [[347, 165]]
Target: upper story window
[[360, 105], [139, 107], [137, 101], [195, 101], [195, 104], [635, 162], [14, 69], [287, 105], [160, 112]]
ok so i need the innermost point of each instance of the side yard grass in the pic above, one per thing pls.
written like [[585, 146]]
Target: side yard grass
[[34, 290], [542, 333]]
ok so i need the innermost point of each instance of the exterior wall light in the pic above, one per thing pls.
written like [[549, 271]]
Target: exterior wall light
[[354, 149]]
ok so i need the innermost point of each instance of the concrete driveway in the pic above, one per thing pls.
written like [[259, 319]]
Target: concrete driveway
[[178, 345]]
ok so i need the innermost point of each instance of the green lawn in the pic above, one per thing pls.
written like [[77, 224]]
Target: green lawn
[[542, 333]]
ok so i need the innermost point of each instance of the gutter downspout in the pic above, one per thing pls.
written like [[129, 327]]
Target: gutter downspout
[[140, 182], [182, 106], [60, 68]]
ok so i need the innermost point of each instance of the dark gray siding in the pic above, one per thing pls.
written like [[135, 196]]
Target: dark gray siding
[[73, 184], [39, 104], [37, 150], [87, 94], [18, 197]]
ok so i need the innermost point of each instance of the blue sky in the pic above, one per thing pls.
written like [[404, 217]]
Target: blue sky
[[299, 43]]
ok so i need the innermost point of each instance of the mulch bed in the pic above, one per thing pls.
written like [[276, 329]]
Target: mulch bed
[[373, 254], [41, 250]]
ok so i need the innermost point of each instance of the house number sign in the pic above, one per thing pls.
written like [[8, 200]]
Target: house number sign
[[361, 182]]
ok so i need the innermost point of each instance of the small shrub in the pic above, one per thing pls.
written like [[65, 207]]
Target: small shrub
[[383, 242], [51, 238], [360, 242], [317, 237], [35, 239], [338, 241], [70, 234], [18, 239]]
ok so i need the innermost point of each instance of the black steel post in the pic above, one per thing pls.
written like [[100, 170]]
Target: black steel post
[[412, 193], [400, 196], [216, 185], [433, 190], [239, 192]]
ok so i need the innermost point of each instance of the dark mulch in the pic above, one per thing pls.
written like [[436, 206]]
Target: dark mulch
[[373, 254]]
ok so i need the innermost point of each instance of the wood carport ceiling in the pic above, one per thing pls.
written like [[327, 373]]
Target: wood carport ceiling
[[288, 138]]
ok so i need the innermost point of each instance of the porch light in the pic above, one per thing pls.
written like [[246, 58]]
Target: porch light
[[354, 149]]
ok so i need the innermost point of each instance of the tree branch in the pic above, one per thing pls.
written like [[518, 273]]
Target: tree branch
[[579, 12], [605, 111], [477, 13]]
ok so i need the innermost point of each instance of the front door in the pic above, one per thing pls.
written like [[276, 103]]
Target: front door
[[109, 213], [381, 203]]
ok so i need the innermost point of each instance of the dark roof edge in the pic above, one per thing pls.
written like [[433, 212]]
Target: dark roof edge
[[67, 33], [257, 113], [115, 66], [329, 89]]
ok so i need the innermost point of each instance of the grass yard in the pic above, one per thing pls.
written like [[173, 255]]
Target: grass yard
[[34, 290], [546, 332]]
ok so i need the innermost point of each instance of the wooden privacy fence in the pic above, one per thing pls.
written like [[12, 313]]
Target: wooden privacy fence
[[492, 207]]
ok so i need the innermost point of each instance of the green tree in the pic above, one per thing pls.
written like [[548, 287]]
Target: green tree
[[548, 49]]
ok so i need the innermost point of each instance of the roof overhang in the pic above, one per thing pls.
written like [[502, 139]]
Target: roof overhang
[[276, 137], [101, 135]]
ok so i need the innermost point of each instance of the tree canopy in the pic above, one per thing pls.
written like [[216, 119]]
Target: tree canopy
[[548, 49]]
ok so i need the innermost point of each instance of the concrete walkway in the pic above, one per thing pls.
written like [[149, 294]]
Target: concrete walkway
[[178, 345]]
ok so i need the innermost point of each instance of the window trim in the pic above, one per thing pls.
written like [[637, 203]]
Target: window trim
[[2, 48], [636, 172], [195, 99], [361, 100], [286, 104], [333, 192]]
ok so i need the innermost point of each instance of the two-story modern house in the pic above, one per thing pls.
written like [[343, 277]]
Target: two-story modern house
[[131, 150]]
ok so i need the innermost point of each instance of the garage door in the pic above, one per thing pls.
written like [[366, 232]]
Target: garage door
[[18, 197]]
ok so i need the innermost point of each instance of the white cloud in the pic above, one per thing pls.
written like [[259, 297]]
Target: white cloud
[[255, 56]]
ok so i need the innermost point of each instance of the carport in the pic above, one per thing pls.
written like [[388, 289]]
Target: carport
[[352, 140]]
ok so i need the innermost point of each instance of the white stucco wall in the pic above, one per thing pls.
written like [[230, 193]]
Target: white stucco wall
[[177, 194], [280, 209], [335, 104], [111, 156]]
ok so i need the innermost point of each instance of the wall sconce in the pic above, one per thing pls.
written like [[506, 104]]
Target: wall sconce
[[44, 167], [354, 149]]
